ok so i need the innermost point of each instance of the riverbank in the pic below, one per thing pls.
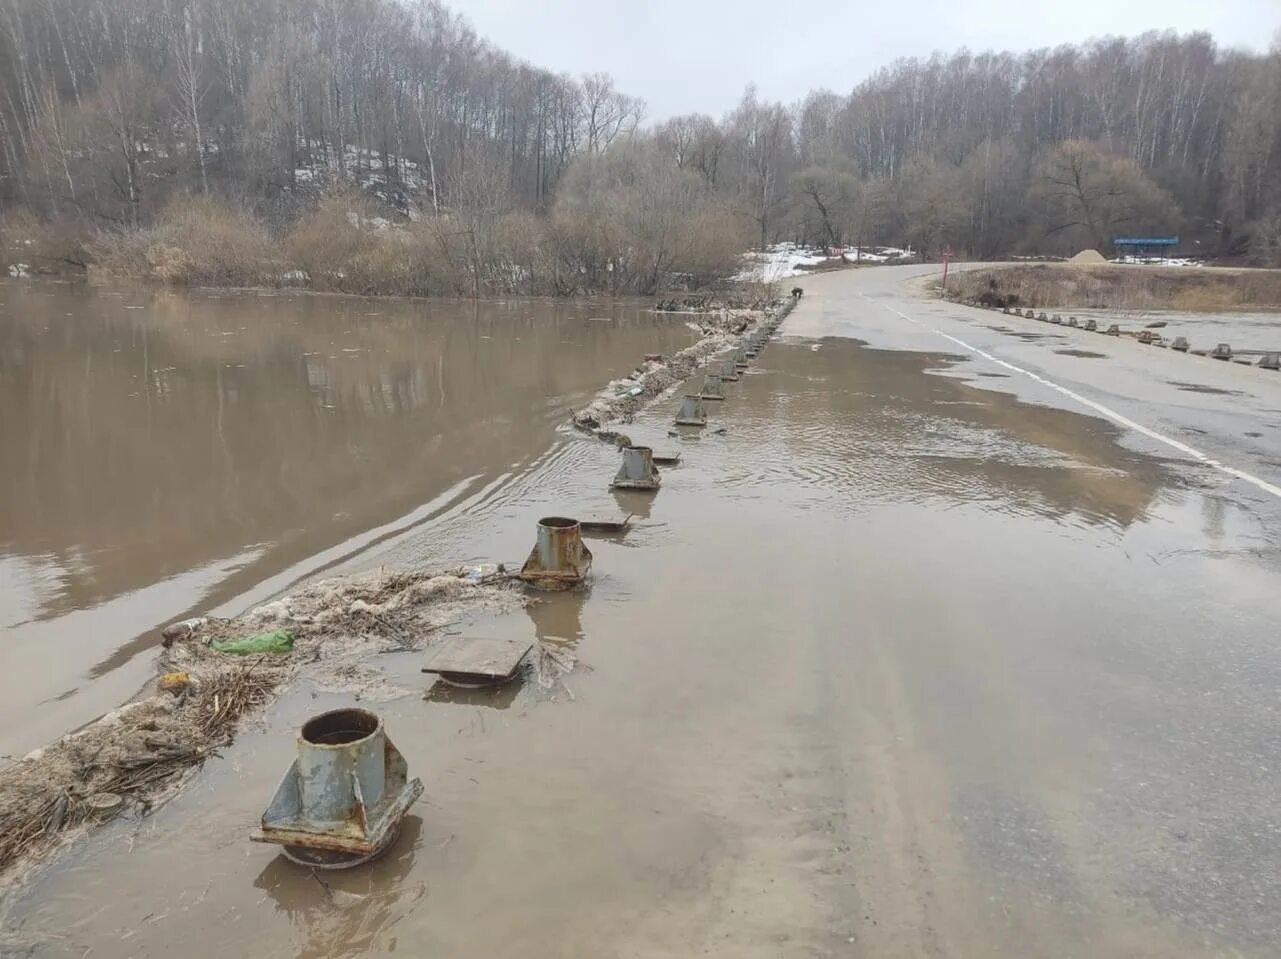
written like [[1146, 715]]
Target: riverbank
[[348, 243], [1117, 287]]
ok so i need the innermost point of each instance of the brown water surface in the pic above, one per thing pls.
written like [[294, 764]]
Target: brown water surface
[[894, 666], [164, 452]]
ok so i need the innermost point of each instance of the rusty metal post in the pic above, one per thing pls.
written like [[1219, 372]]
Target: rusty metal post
[[637, 470], [559, 559], [691, 412], [342, 801]]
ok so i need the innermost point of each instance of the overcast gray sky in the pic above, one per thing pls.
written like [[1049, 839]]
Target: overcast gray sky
[[686, 55]]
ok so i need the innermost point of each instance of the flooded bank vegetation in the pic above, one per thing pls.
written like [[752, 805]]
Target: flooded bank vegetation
[[138, 756], [373, 146]]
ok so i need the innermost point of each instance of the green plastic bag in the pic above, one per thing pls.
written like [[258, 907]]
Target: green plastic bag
[[276, 641]]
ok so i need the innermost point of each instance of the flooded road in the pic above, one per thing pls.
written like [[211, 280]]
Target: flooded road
[[164, 453], [919, 657]]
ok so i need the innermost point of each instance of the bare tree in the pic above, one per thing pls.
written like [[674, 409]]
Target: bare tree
[[606, 112], [1094, 193], [187, 50]]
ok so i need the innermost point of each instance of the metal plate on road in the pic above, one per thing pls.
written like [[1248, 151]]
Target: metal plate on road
[[478, 656]]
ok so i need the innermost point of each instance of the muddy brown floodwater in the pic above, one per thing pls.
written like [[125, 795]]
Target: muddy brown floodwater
[[910, 660], [900, 664], [166, 454]]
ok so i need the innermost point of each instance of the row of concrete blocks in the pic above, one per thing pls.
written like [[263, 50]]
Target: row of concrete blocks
[[1222, 351]]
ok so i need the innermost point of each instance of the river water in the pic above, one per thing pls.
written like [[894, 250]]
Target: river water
[[167, 454]]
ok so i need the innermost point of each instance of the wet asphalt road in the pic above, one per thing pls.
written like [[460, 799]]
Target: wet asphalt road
[[931, 653]]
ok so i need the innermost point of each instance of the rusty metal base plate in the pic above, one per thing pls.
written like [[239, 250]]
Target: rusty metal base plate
[[330, 861], [534, 575], [644, 485]]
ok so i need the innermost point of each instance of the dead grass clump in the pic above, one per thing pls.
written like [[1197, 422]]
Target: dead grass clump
[[326, 241], [194, 241], [131, 756], [140, 754], [345, 246], [1119, 288]]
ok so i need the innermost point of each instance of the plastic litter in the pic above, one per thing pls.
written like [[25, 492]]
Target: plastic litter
[[474, 574], [275, 641]]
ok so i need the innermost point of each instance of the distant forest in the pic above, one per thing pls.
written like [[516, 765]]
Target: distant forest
[[382, 146]]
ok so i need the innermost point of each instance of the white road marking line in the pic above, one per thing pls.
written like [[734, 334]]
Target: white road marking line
[[1100, 408]]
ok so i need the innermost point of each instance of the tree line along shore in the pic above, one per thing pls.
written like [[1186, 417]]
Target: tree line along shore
[[376, 146]]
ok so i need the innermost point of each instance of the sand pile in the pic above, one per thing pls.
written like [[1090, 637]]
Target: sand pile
[[1088, 258]]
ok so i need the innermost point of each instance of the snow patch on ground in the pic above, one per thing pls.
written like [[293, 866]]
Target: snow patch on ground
[[876, 254], [1159, 260], [403, 190], [784, 260], [780, 261]]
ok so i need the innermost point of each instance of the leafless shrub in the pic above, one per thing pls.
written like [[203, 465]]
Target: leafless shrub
[[194, 241], [45, 246]]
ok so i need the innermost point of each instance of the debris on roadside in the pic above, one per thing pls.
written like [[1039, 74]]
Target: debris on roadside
[[551, 663], [144, 751], [621, 399]]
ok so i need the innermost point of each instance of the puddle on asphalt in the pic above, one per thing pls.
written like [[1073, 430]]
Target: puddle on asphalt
[[875, 421], [1084, 354], [1200, 388]]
